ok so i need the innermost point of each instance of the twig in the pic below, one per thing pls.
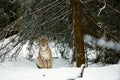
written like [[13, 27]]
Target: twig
[[102, 8], [117, 11], [87, 1]]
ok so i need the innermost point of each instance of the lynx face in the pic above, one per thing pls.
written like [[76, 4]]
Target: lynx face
[[43, 43]]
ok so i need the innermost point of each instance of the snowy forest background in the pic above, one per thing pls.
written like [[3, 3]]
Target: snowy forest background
[[25, 20], [79, 32]]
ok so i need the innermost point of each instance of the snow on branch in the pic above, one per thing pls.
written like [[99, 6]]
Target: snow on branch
[[109, 6], [58, 18], [101, 26], [25, 33], [43, 8], [102, 8], [87, 1]]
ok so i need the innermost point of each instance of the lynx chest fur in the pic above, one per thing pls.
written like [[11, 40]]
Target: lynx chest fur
[[44, 59]]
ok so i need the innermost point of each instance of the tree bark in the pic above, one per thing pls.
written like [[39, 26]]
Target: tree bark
[[78, 33]]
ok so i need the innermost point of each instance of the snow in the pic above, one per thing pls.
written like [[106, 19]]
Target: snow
[[102, 73], [22, 69], [103, 42]]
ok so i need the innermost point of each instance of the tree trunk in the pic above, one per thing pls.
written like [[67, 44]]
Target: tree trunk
[[78, 33]]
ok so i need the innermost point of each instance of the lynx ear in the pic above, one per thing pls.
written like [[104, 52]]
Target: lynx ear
[[46, 38]]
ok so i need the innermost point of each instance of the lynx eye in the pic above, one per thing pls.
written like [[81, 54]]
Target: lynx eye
[[43, 45]]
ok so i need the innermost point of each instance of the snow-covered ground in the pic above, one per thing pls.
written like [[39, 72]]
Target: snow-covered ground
[[22, 69]]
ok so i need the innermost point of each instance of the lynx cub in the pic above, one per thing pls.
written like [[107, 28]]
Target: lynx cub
[[44, 59]]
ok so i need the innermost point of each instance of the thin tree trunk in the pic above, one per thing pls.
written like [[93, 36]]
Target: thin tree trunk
[[77, 24]]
